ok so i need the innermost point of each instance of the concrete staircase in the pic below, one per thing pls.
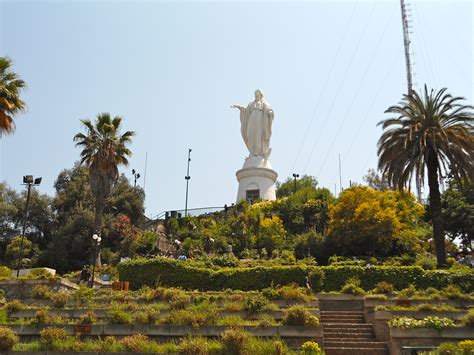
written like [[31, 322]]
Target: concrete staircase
[[345, 332]]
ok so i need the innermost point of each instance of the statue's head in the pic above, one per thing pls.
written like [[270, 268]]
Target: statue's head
[[258, 94]]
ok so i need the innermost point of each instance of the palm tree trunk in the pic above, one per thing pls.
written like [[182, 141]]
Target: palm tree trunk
[[99, 207], [435, 208]]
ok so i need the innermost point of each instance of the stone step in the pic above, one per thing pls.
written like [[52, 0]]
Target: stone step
[[355, 351], [342, 312], [341, 320], [347, 335], [347, 325], [347, 331], [354, 344]]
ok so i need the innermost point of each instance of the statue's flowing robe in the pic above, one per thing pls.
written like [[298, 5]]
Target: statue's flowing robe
[[256, 127]]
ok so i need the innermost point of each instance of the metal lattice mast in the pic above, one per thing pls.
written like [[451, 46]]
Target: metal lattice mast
[[406, 43]]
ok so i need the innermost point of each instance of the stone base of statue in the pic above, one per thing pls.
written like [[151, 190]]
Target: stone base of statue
[[256, 180]]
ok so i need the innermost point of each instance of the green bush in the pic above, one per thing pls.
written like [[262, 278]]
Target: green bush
[[172, 273], [428, 322], [40, 292], [468, 319], [41, 317], [194, 346], [39, 273], [5, 273], [118, 316], [311, 348], [14, 306], [235, 340], [300, 316], [50, 335], [383, 288], [352, 287], [135, 343], [88, 318], [316, 279], [465, 347], [255, 304], [8, 339], [59, 299]]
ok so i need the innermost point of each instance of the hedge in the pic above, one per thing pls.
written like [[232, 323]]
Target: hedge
[[175, 273]]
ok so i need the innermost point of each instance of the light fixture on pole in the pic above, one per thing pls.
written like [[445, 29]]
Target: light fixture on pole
[[28, 181], [187, 178], [136, 176], [296, 176], [97, 241]]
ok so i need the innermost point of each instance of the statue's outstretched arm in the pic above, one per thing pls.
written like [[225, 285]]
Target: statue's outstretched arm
[[238, 106]]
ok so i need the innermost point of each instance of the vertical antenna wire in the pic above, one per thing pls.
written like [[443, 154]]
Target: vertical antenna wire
[[339, 88], [323, 90]]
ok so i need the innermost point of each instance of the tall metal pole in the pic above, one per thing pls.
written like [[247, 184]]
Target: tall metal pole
[[406, 43], [187, 177], [20, 256], [294, 186]]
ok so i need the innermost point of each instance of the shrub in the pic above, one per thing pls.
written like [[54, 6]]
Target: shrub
[[8, 339], [235, 340], [452, 292], [5, 272], [293, 292], [40, 292], [177, 298], [311, 348], [428, 322], [59, 299], [467, 346], [118, 316], [41, 317], [352, 287], [255, 304], [135, 343], [316, 279], [270, 293], [84, 294], [50, 335], [468, 319], [383, 287], [147, 316], [88, 318], [173, 273], [299, 315], [194, 346], [448, 349], [190, 317], [14, 306], [39, 273]]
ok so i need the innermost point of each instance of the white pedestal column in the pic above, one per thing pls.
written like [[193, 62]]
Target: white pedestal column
[[256, 180]]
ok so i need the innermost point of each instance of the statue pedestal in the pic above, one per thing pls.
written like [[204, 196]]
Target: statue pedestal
[[256, 180]]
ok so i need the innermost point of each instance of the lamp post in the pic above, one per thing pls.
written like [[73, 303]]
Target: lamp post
[[28, 181], [136, 176], [296, 176], [187, 178], [97, 240]]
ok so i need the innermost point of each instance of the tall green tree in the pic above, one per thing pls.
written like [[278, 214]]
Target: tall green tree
[[432, 133], [10, 102], [104, 149]]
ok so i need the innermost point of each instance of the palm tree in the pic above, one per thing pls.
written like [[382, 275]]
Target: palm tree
[[10, 102], [433, 133], [103, 150]]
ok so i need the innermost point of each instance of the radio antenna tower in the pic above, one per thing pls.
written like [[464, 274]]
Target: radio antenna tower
[[406, 43]]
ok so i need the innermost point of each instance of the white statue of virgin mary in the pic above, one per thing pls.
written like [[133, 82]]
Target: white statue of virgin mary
[[256, 125]]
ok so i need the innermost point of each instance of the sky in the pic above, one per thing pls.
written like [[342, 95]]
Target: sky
[[172, 69]]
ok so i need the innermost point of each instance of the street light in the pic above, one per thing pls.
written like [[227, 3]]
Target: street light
[[136, 176], [296, 176], [187, 178], [28, 181], [97, 240]]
